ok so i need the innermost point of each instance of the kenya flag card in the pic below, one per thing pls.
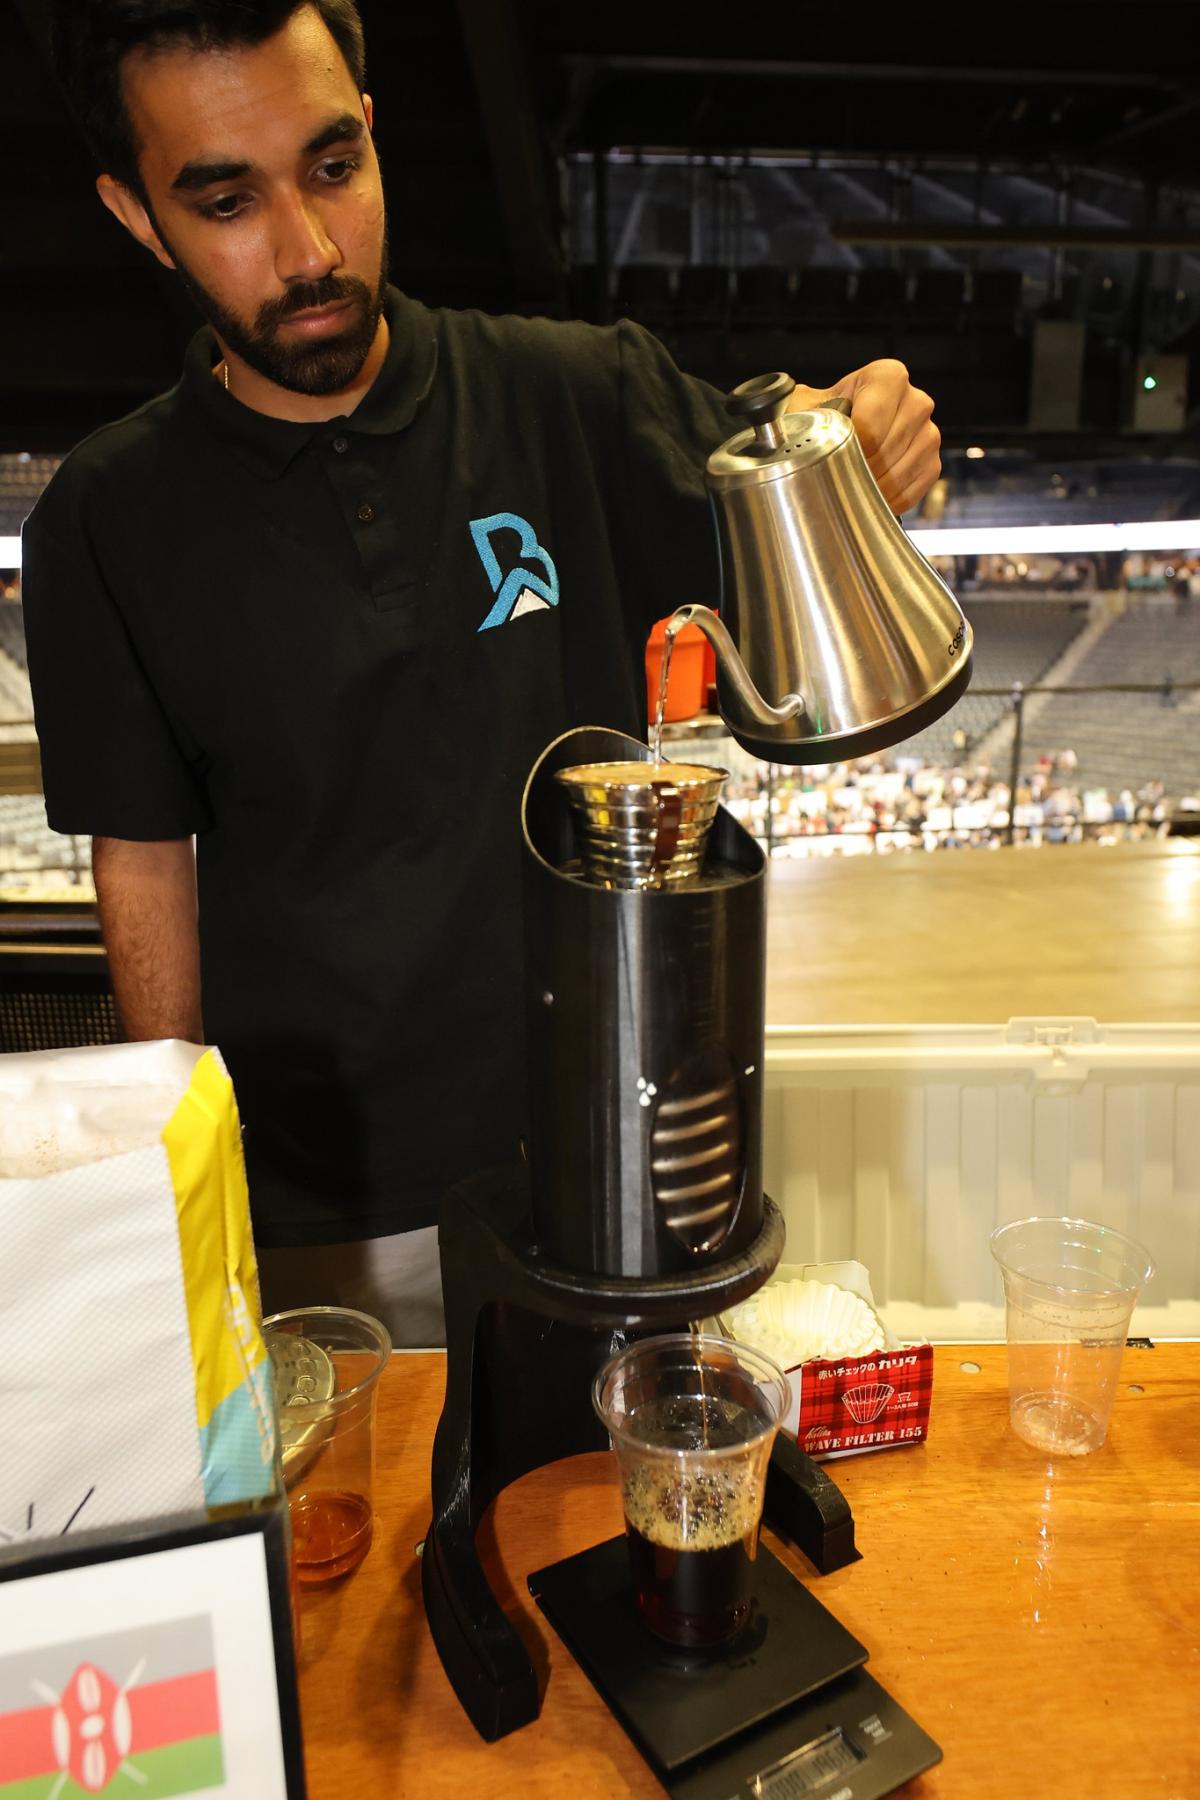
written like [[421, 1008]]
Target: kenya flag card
[[142, 1664], [134, 1712]]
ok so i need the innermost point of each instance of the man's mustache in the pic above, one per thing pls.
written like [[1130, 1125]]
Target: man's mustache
[[308, 296]]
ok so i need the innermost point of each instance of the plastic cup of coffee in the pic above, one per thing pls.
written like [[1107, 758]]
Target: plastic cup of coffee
[[1069, 1289], [326, 1361], [692, 1420]]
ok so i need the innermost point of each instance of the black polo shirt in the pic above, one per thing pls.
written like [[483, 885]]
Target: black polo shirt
[[333, 652]]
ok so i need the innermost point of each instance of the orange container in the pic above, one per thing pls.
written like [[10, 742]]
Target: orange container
[[686, 683], [710, 666]]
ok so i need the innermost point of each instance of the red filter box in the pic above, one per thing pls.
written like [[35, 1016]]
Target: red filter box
[[840, 1408], [843, 1405]]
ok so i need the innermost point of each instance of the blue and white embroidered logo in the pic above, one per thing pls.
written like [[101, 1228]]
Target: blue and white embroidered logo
[[520, 590]]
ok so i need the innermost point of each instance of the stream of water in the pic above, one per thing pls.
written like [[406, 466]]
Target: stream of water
[[675, 626]]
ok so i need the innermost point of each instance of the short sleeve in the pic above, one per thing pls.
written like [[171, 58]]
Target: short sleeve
[[671, 423], [111, 766]]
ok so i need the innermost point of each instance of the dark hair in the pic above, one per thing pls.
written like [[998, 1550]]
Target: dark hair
[[91, 38]]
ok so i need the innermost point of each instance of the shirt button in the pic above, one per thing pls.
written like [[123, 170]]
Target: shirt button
[[341, 445], [366, 512]]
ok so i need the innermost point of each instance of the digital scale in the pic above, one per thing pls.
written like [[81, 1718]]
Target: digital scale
[[784, 1711]]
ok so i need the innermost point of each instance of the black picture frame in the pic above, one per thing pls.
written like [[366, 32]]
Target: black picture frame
[[267, 1521]]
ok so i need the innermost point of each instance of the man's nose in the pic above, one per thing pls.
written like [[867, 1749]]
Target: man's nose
[[304, 251]]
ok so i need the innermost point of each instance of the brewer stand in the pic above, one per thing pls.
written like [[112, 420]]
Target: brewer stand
[[640, 1209], [509, 1311]]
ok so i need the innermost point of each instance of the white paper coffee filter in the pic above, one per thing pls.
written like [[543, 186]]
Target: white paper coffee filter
[[793, 1321]]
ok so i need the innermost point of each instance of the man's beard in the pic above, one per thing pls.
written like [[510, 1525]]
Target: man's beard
[[324, 367]]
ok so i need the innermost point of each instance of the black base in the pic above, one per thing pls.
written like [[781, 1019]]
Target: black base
[[845, 746], [524, 1341]]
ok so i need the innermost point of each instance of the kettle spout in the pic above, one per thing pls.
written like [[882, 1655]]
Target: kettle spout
[[751, 704]]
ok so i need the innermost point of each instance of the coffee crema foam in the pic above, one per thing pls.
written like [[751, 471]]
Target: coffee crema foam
[[692, 1509]]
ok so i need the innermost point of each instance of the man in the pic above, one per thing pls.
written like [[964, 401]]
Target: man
[[321, 606]]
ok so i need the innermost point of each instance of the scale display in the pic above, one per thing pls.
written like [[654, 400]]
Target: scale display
[[807, 1770]]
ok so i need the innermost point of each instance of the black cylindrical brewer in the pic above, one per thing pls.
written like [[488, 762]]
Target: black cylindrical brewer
[[645, 1017]]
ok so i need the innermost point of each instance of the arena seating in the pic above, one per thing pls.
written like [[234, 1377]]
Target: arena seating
[[1015, 640], [12, 632], [670, 292], [1091, 496], [22, 479], [16, 700], [28, 847], [1122, 740]]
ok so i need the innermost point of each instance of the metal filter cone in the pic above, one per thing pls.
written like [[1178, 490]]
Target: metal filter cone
[[642, 825]]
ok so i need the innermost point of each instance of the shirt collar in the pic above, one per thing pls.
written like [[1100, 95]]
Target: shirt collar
[[269, 446]]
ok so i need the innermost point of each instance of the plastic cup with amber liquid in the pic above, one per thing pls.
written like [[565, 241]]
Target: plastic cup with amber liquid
[[326, 1361]]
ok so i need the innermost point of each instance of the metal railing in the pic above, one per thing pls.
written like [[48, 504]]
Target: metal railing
[[20, 759]]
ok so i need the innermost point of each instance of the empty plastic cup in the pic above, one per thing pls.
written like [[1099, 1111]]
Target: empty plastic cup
[[692, 1420], [1069, 1288]]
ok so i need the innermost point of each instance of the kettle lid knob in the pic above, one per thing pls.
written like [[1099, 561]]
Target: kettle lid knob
[[762, 399]]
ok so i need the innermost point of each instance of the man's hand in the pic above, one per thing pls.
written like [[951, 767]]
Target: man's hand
[[894, 421]]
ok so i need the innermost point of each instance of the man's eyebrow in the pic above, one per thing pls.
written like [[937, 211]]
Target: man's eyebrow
[[346, 128], [196, 175]]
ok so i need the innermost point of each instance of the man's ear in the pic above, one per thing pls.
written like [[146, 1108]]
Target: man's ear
[[368, 107], [124, 205]]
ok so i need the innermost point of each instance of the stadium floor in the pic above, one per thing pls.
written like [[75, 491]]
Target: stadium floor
[[979, 937]]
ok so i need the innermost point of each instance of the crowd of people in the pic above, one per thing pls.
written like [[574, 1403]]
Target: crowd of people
[[906, 804]]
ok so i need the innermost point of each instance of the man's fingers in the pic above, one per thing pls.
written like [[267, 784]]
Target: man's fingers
[[894, 423], [911, 426], [908, 461], [878, 395], [910, 479]]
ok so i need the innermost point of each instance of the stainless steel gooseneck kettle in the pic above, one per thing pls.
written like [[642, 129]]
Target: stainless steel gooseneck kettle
[[841, 638]]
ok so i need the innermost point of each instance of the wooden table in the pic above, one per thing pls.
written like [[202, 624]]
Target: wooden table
[[1041, 1622]]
